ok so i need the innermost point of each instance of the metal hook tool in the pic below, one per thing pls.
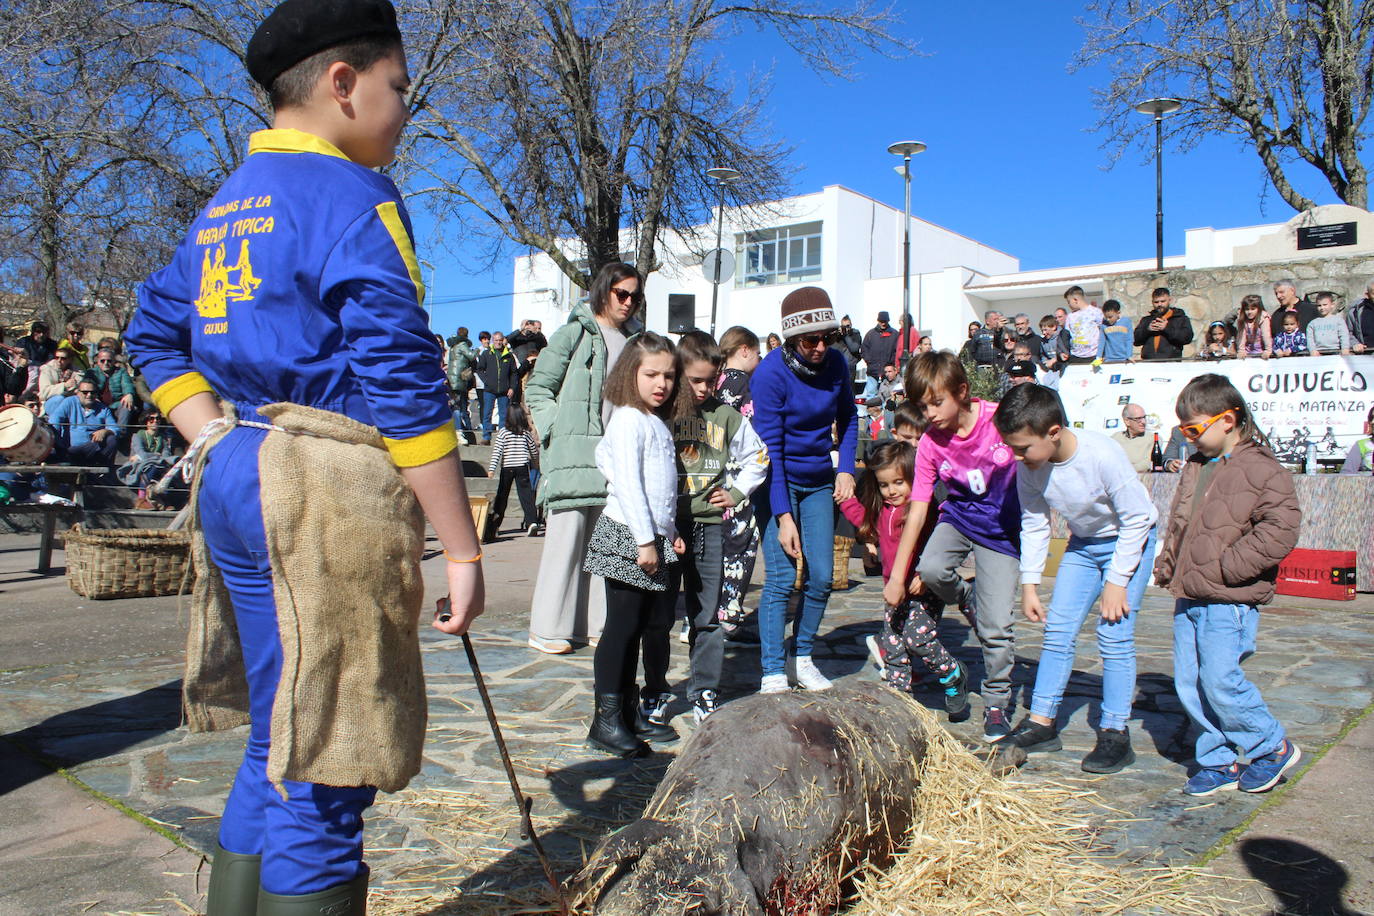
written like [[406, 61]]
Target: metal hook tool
[[521, 801]]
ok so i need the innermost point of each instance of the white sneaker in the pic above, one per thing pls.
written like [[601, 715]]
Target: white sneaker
[[809, 676], [875, 652], [774, 683], [551, 646], [684, 635], [704, 705]]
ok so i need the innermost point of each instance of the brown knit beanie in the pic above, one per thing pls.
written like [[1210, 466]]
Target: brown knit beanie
[[807, 311]]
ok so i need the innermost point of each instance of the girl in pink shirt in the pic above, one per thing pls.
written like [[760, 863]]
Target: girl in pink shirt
[[910, 629]]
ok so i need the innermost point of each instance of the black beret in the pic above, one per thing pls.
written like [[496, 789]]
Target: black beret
[[299, 28], [1022, 368]]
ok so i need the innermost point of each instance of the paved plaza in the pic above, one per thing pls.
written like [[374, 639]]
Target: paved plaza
[[93, 688]]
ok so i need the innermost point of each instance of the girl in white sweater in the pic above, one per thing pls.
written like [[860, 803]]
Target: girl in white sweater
[[635, 538]]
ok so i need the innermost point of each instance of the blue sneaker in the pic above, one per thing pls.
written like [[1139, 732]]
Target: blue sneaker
[[1211, 780], [1263, 773]]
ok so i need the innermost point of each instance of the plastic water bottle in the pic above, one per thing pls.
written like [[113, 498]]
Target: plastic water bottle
[[1311, 461]]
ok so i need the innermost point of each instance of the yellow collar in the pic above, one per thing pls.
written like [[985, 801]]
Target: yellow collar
[[288, 140]]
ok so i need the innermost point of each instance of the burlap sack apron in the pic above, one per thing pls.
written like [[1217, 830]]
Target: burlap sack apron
[[344, 537]]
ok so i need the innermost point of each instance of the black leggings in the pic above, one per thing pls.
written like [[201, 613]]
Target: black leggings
[[630, 613], [520, 476]]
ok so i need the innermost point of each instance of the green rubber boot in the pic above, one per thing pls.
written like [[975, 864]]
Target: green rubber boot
[[341, 900], [233, 884]]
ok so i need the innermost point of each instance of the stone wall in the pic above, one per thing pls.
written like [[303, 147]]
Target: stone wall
[[1213, 293]]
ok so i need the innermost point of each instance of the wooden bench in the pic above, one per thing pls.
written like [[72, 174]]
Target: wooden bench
[[69, 474]]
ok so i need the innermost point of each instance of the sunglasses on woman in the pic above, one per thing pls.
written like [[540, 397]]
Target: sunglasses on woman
[[1195, 430], [624, 295], [815, 340]]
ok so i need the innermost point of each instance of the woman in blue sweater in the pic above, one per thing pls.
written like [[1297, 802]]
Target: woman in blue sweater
[[801, 390]]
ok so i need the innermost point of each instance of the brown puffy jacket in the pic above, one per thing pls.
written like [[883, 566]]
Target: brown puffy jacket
[[1230, 552]]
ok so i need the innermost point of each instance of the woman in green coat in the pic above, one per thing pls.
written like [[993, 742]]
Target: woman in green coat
[[563, 395]]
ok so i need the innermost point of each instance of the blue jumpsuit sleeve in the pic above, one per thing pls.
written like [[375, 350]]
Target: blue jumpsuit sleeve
[[373, 279], [158, 337]]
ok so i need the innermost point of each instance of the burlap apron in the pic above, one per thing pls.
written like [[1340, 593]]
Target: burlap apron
[[344, 537]]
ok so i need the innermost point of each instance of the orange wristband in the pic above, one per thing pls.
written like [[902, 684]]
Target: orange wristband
[[473, 560]]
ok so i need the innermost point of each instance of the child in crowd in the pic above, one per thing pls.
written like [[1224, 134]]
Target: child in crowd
[[1087, 479], [1216, 343], [1328, 333], [720, 463], [909, 423], [1234, 518], [635, 541], [1254, 333], [980, 516], [1054, 354], [1291, 341], [910, 628], [1084, 324], [1360, 458], [1116, 334], [514, 452], [739, 348]]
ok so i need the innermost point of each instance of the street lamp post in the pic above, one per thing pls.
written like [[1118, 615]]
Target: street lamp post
[[906, 149], [721, 175], [1158, 108]]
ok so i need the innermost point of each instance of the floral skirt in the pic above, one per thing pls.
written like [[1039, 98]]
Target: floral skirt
[[613, 552]]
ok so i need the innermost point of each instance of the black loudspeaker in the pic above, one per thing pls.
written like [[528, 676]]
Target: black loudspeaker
[[682, 313]]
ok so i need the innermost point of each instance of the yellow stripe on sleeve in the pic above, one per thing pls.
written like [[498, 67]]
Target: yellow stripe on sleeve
[[170, 394], [424, 448], [391, 218]]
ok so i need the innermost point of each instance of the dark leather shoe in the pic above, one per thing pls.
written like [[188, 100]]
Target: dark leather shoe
[[638, 721], [608, 732]]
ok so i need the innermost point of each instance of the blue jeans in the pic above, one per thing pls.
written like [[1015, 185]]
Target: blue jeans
[[870, 387], [488, 399], [1210, 642], [1082, 573], [311, 840], [813, 509]]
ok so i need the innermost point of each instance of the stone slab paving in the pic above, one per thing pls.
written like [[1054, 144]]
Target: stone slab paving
[[115, 724]]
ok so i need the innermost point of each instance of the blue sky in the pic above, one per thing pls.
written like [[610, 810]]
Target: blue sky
[[1013, 160]]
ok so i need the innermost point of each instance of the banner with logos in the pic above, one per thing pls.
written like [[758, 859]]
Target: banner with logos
[[1322, 400]]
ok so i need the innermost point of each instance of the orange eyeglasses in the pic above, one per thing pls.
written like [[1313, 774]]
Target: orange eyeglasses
[[1195, 430]]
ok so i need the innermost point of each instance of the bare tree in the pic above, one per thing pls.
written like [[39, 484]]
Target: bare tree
[[82, 184], [550, 119], [1293, 78]]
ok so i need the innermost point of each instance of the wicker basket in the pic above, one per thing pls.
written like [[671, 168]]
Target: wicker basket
[[127, 562]]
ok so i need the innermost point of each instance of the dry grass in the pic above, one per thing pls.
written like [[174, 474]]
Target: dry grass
[[982, 844], [987, 844]]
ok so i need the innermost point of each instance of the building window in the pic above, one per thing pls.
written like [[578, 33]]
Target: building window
[[790, 254]]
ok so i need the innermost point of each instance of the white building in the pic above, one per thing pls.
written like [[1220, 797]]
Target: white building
[[837, 239], [851, 246]]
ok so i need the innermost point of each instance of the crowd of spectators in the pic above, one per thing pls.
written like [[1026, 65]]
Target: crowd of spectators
[[484, 380], [99, 414]]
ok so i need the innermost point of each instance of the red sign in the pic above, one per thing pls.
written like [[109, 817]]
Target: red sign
[[1318, 574]]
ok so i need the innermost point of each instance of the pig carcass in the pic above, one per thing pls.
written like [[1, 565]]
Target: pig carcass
[[768, 809]]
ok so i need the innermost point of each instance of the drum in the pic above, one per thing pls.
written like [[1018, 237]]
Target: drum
[[24, 438]]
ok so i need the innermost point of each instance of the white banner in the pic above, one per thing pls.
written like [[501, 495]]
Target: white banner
[[1296, 400]]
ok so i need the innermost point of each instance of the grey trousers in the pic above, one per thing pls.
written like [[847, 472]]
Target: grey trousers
[[702, 571], [994, 588], [568, 603]]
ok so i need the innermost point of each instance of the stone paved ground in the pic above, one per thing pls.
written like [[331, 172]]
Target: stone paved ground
[[112, 720]]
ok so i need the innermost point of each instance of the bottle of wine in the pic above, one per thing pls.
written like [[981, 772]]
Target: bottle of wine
[[1156, 456]]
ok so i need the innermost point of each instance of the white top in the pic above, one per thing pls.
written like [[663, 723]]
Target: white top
[[615, 340], [1098, 495], [636, 456]]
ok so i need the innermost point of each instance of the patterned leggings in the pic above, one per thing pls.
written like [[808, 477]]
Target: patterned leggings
[[911, 630], [740, 547]]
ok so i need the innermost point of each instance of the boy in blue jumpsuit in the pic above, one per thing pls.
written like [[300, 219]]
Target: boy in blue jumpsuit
[[299, 283]]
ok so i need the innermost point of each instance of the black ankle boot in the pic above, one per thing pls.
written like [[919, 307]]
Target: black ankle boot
[[641, 725], [608, 731]]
